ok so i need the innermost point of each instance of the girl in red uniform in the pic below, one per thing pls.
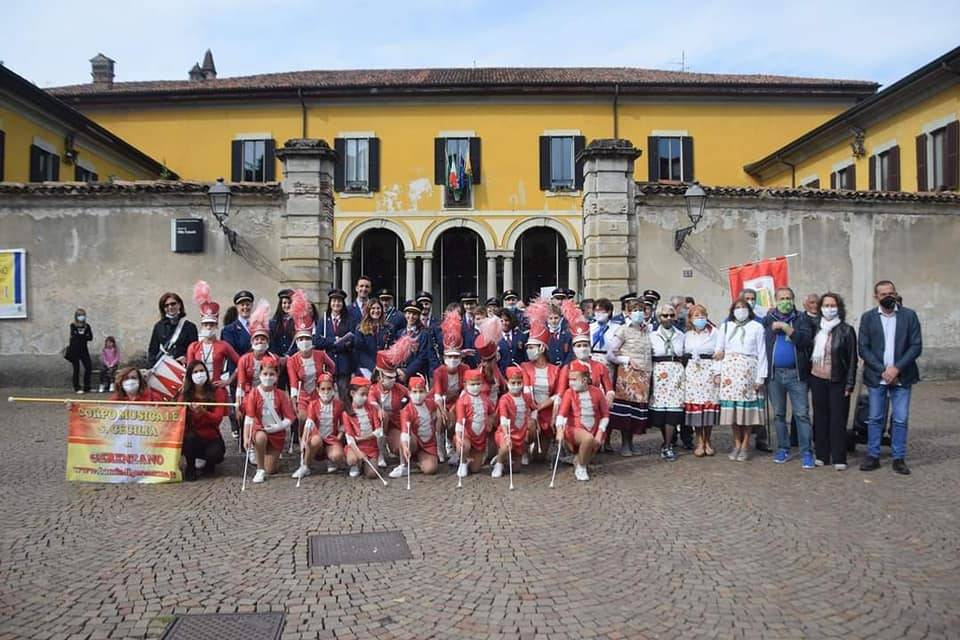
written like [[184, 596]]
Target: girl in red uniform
[[131, 386], [304, 367], [487, 345], [389, 395], [448, 380], [518, 418], [201, 436], [541, 380], [361, 423], [418, 430], [475, 416], [268, 415], [583, 418], [208, 349], [248, 367], [321, 430]]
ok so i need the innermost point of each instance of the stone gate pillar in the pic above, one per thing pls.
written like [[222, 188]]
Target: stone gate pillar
[[609, 238], [306, 237]]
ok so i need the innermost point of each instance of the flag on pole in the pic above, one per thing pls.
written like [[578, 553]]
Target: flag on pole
[[452, 177], [764, 277]]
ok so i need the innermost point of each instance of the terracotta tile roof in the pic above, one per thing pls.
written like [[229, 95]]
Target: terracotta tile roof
[[459, 80], [659, 188], [177, 187]]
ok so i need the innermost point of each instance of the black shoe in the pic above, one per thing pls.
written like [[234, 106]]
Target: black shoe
[[763, 447], [900, 466], [870, 464], [688, 445], [190, 473], [209, 469]]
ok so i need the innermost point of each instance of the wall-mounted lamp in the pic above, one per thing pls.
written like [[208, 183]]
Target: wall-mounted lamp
[[696, 200]]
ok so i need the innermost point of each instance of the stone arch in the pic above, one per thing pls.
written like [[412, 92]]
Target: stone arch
[[357, 229], [566, 232], [481, 229]]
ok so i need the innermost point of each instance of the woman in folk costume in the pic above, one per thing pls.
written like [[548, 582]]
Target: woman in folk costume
[[541, 379], [475, 417], [321, 430], [388, 394], [448, 380], [486, 343], [700, 389], [209, 349], [361, 424], [304, 366], [268, 414], [628, 347], [418, 430], [583, 418], [666, 404], [742, 352], [517, 415]]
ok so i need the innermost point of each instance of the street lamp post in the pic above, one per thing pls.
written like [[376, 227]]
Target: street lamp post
[[696, 200], [220, 197]]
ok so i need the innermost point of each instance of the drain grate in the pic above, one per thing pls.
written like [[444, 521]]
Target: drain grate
[[217, 626], [358, 548]]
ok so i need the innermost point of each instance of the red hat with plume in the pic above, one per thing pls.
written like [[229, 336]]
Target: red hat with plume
[[209, 310]]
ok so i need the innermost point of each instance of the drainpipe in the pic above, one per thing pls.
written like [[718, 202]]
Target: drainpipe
[[793, 172], [616, 100], [303, 114]]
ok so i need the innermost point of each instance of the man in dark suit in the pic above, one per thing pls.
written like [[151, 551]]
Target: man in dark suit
[[237, 334], [890, 343], [468, 302], [391, 315], [363, 289]]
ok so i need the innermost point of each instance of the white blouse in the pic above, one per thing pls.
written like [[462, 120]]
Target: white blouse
[[658, 340], [749, 341], [700, 347]]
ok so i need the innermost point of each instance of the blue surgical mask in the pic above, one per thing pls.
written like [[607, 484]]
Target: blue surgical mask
[[636, 317], [699, 323]]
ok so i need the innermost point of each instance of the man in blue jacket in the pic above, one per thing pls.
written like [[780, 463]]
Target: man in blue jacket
[[789, 341], [890, 343], [237, 334]]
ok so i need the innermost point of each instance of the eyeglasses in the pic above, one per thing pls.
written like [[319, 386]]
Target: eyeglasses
[[668, 315], [172, 303]]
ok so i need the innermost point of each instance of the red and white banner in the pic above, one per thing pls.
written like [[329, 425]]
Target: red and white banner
[[763, 277]]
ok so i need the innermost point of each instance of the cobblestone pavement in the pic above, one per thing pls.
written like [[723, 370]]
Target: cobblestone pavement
[[702, 548]]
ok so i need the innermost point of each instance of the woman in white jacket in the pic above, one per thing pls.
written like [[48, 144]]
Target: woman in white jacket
[[701, 401]]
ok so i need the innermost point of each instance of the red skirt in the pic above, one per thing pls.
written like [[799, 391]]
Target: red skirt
[[543, 419], [275, 440], [304, 400], [570, 440], [518, 438], [430, 446], [369, 448]]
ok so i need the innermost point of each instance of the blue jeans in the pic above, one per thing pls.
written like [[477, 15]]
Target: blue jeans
[[785, 382], [900, 404]]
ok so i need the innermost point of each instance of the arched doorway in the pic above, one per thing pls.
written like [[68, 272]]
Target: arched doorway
[[459, 265], [540, 260], [378, 253]]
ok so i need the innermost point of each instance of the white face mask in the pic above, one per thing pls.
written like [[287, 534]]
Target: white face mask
[[578, 385], [473, 388], [636, 317], [581, 352], [452, 363], [130, 386], [172, 316], [199, 377], [553, 326], [741, 314], [207, 333], [268, 380], [359, 399], [516, 388], [304, 345], [510, 304], [417, 397], [326, 395], [533, 353], [829, 313], [259, 347], [387, 382], [602, 317], [81, 318]]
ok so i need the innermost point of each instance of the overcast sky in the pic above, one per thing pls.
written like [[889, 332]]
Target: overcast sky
[[51, 42]]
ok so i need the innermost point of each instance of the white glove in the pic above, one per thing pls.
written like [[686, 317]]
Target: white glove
[[603, 425], [623, 359], [309, 425], [378, 433], [438, 399], [459, 429], [528, 389], [285, 423], [239, 395], [405, 438], [248, 422], [274, 428], [505, 422], [294, 392], [351, 441], [561, 422]]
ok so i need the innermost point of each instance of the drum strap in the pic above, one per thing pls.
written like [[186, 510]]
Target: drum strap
[[173, 339]]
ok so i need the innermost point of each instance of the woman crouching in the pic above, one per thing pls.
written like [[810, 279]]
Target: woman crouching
[[517, 412], [268, 415], [475, 416], [201, 437], [321, 429], [583, 418], [418, 430], [361, 423]]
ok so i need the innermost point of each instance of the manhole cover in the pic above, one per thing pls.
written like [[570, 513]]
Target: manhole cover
[[217, 626], [951, 399], [358, 548]]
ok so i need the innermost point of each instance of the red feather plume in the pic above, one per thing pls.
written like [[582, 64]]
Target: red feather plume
[[299, 305], [572, 313], [537, 311], [491, 329], [201, 292], [451, 328], [400, 351], [261, 315]]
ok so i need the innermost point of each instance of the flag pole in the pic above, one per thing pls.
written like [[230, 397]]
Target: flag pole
[[82, 401], [747, 264]]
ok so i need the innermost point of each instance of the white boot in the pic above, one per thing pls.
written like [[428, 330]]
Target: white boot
[[525, 459], [252, 457], [399, 471], [302, 472], [113, 387], [260, 476], [381, 462], [200, 464], [462, 470], [497, 470], [101, 388], [354, 471], [331, 468], [580, 473]]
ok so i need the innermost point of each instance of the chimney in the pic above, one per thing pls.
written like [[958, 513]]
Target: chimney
[[208, 68], [101, 68], [196, 73]]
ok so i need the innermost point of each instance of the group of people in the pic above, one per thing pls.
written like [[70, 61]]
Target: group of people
[[366, 382]]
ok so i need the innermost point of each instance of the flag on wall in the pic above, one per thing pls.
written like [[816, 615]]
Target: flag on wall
[[763, 277], [13, 283]]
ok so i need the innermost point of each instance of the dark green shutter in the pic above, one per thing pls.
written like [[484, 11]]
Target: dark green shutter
[[545, 163], [951, 165], [236, 161], [873, 172], [340, 168], [922, 162], [833, 180], [686, 143], [3, 149], [475, 159], [653, 159], [439, 160], [35, 169], [270, 160], [852, 177], [893, 173], [373, 170], [579, 144]]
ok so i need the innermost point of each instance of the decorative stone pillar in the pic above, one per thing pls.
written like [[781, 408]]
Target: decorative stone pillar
[[507, 272], [491, 278], [573, 273], [411, 278], [427, 273], [306, 237], [609, 227], [346, 273]]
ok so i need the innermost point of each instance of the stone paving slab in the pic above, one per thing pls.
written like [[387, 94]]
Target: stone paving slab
[[701, 548]]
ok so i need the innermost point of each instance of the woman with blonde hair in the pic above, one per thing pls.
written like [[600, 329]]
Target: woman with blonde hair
[[701, 391], [371, 335]]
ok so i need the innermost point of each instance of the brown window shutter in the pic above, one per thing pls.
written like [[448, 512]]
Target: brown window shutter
[[873, 172], [893, 171], [852, 177], [269, 160], [579, 144], [686, 144], [833, 180], [475, 160], [951, 179], [922, 162], [544, 163], [373, 168], [340, 168], [439, 161], [653, 159], [56, 167], [236, 161], [3, 150]]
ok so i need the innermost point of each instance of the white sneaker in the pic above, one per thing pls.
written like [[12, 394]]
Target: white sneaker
[[79, 392], [497, 470], [453, 460], [260, 476], [462, 470], [818, 463], [200, 463], [331, 468], [580, 473], [399, 471], [840, 467], [252, 457], [101, 389], [381, 462], [354, 471], [113, 387], [302, 472], [525, 459]]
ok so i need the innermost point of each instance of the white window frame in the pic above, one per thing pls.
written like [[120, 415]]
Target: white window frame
[[456, 135], [253, 137], [932, 156], [359, 186], [679, 138]]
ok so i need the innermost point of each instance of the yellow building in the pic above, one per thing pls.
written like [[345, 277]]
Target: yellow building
[[463, 179], [43, 139], [904, 138]]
